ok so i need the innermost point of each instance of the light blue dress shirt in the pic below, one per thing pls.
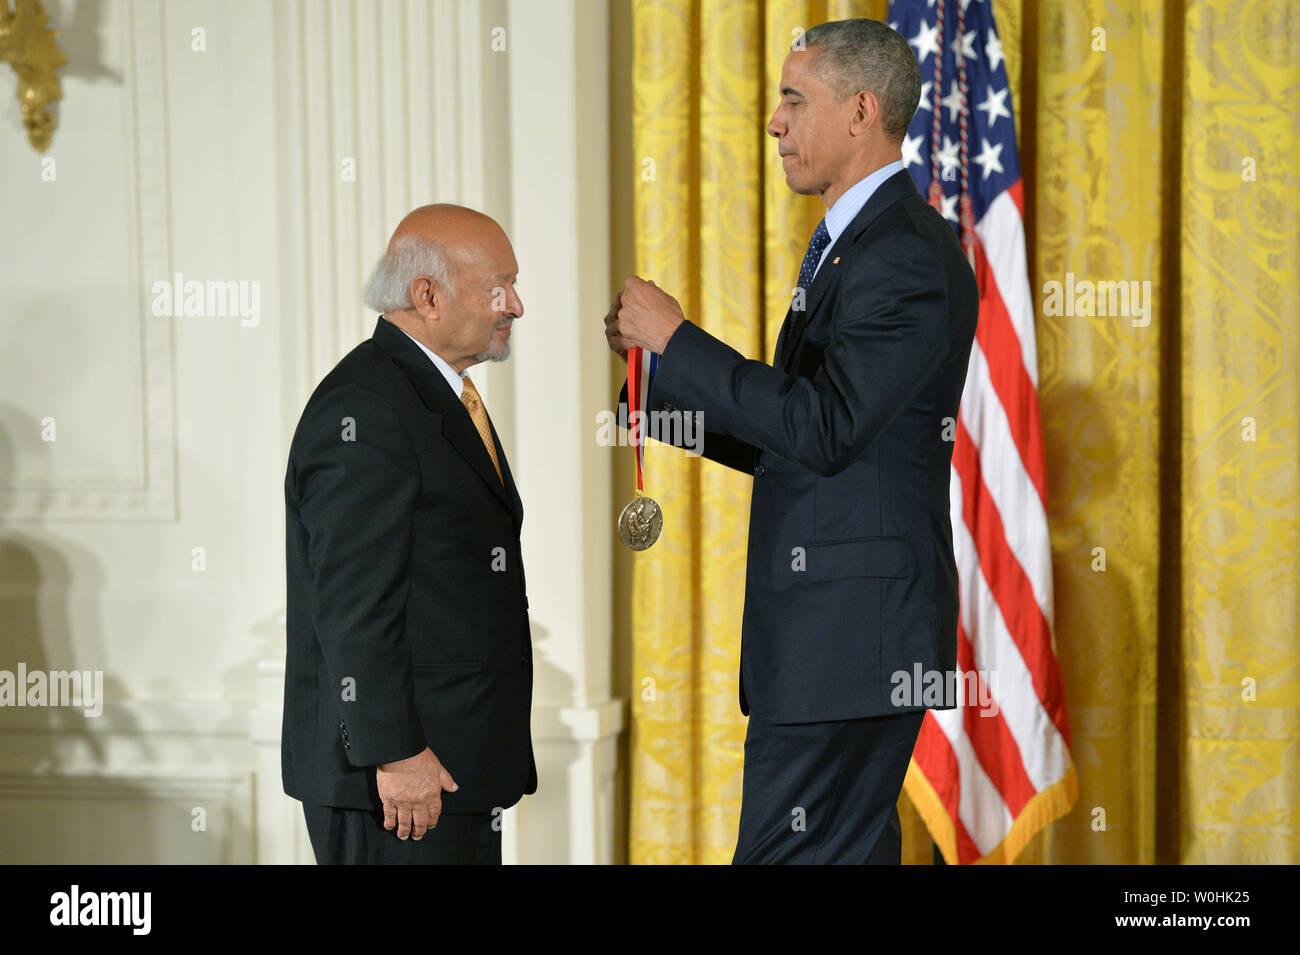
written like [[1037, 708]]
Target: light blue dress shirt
[[850, 204]]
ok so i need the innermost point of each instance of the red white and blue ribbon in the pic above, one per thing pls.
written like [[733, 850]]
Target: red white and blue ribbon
[[641, 368]]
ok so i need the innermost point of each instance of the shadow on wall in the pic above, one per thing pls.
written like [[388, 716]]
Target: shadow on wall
[[45, 583], [542, 820], [79, 39], [76, 788], [80, 782]]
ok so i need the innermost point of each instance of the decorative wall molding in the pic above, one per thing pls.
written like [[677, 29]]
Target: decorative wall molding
[[86, 817], [51, 748], [153, 495], [224, 718]]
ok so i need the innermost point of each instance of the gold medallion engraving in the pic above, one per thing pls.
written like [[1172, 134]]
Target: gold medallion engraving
[[640, 523]]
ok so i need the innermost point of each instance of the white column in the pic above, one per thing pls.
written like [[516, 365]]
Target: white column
[[559, 224]]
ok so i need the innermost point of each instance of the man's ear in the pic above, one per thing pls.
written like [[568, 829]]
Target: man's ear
[[424, 296], [867, 112]]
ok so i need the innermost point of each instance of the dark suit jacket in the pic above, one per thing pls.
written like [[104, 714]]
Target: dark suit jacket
[[407, 613], [850, 575]]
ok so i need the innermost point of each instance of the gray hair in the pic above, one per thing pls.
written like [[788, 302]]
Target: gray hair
[[856, 55], [389, 287]]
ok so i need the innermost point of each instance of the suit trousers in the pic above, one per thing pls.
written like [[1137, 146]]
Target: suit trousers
[[358, 837], [824, 792]]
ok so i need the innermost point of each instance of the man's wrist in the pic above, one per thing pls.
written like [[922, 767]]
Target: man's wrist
[[663, 349], [403, 759]]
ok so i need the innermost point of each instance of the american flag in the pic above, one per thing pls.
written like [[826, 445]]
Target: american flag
[[986, 779]]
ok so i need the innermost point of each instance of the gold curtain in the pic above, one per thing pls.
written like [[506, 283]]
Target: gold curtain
[[1158, 143]]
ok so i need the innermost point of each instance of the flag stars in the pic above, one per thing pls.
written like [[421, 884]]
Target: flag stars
[[953, 101], [950, 207], [995, 105], [988, 158], [966, 43], [948, 155], [994, 50], [925, 95], [926, 42], [912, 150]]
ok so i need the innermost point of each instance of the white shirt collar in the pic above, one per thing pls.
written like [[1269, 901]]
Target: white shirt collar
[[848, 206], [454, 378]]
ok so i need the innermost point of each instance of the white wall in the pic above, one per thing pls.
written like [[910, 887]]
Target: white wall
[[228, 164]]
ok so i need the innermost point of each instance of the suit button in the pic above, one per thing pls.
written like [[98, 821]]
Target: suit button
[[524, 660], [760, 469]]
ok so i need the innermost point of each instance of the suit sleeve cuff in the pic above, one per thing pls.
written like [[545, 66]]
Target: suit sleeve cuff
[[369, 742], [691, 354]]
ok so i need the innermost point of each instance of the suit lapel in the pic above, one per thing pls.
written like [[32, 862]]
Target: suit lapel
[[828, 276], [892, 190], [457, 427], [778, 357], [510, 491]]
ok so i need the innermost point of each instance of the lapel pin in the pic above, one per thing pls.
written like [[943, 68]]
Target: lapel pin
[[835, 261]]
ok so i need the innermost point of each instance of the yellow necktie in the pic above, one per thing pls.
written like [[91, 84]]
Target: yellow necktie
[[469, 397]]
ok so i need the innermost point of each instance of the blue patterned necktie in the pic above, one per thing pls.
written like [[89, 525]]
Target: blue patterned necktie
[[816, 246]]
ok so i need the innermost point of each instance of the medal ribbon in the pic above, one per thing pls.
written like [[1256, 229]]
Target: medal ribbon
[[640, 372]]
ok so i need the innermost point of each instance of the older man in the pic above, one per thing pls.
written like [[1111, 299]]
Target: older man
[[409, 669], [851, 579]]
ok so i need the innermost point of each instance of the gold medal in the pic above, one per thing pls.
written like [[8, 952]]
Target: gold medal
[[640, 523]]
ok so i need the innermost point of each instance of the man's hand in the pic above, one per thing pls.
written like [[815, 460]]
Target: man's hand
[[647, 316], [616, 344], [411, 790]]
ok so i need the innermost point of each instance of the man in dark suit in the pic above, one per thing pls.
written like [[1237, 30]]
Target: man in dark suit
[[408, 678], [851, 579]]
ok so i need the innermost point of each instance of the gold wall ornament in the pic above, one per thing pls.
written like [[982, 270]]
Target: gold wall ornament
[[29, 46]]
